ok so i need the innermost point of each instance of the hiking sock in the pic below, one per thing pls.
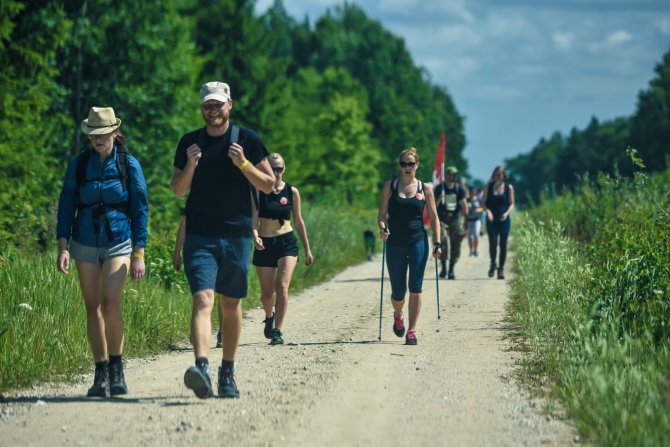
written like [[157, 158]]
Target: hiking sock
[[228, 366], [115, 359], [202, 363], [102, 365]]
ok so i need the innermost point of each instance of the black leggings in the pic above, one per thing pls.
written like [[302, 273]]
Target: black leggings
[[495, 233]]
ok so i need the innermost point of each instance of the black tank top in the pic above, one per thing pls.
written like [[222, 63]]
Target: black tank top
[[276, 205], [406, 216], [498, 204]]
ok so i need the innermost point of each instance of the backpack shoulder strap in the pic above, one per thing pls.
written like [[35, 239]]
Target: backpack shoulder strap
[[82, 164], [234, 133], [123, 165]]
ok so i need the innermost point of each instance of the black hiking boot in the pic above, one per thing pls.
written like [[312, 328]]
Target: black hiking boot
[[117, 382], [269, 326], [501, 273], [197, 379], [219, 342], [100, 386], [277, 337], [227, 385], [492, 269]]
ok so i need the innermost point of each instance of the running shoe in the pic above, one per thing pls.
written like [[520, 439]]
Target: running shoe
[[398, 326], [227, 385], [269, 326], [501, 273], [117, 382], [219, 343], [492, 269], [411, 338], [277, 337], [198, 380]]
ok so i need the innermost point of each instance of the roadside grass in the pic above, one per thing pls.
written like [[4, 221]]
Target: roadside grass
[[43, 321], [593, 303]]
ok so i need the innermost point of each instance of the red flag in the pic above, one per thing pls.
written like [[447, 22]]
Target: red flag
[[440, 158], [438, 171]]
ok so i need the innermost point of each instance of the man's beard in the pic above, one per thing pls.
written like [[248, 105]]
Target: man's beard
[[216, 121]]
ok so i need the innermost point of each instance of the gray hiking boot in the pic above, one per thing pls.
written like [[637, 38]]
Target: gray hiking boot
[[198, 380], [227, 385]]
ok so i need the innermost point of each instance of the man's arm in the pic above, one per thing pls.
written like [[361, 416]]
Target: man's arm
[[181, 179], [260, 175]]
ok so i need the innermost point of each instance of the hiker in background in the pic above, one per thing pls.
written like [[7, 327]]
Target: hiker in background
[[218, 166], [177, 262], [474, 221], [102, 225], [369, 241], [276, 253], [482, 215], [400, 222], [498, 204], [451, 208]]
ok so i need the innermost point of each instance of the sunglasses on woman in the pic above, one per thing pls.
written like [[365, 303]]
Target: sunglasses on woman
[[408, 164]]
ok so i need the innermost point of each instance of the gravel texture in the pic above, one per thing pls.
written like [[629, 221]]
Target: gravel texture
[[333, 384]]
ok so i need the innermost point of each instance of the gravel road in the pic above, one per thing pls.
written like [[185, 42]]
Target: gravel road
[[332, 384]]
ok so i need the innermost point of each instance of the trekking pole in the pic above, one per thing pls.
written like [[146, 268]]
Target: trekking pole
[[437, 288], [381, 294]]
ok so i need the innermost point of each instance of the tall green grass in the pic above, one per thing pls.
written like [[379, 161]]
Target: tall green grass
[[592, 297], [42, 315]]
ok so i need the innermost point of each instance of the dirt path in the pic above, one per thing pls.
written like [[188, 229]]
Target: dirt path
[[334, 384]]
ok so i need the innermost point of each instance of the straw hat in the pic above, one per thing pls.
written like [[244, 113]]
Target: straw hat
[[101, 120]]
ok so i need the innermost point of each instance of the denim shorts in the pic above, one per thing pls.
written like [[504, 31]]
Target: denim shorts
[[275, 248], [98, 255], [400, 258], [218, 263]]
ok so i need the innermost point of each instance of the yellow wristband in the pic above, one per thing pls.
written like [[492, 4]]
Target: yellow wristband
[[244, 164], [138, 255]]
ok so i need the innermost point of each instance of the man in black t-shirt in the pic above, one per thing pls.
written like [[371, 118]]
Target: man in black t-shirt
[[218, 174], [452, 206]]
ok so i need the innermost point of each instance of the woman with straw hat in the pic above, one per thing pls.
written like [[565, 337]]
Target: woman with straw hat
[[102, 225]]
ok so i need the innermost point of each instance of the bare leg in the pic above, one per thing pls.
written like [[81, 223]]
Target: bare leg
[[90, 280], [232, 325], [414, 310], [285, 267], [266, 278], [201, 323], [114, 274], [397, 307]]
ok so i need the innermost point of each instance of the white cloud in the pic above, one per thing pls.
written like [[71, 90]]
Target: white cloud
[[454, 9], [507, 25], [563, 41], [454, 68], [618, 37], [498, 93]]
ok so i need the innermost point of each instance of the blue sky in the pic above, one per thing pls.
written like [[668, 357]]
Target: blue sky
[[518, 70]]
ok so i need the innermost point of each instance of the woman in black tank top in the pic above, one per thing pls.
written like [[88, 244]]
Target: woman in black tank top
[[400, 222], [498, 203], [276, 247]]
